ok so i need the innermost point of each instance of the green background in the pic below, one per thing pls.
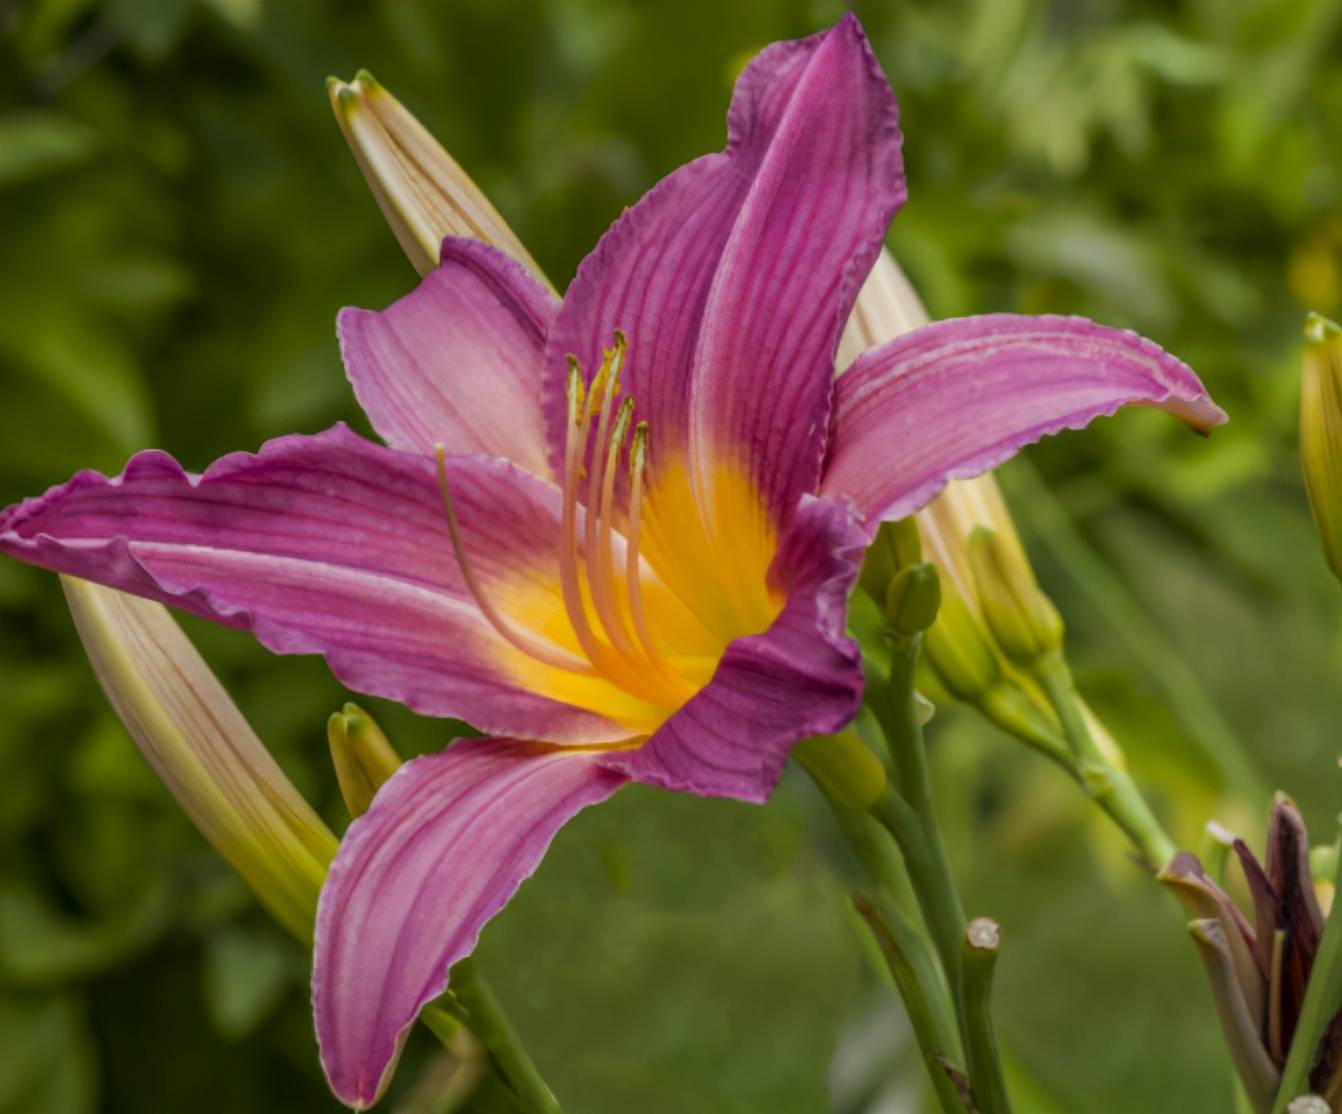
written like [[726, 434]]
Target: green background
[[179, 223]]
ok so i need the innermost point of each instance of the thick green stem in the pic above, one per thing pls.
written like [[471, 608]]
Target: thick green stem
[[915, 973], [931, 881], [486, 1019], [981, 943], [893, 916], [909, 815], [1111, 788]]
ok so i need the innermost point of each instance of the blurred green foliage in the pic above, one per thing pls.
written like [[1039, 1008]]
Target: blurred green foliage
[[179, 222]]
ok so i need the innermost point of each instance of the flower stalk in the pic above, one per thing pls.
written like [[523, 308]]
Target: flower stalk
[[983, 941], [1107, 785]]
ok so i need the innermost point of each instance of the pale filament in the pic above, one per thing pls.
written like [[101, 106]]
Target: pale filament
[[630, 660], [520, 640]]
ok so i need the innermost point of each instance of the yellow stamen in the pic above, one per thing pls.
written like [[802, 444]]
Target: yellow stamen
[[518, 639]]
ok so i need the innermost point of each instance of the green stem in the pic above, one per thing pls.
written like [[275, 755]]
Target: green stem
[[913, 968], [486, 1019], [1111, 788], [897, 904], [931, 881], [909, 815], [981, 944], [1126, 615]]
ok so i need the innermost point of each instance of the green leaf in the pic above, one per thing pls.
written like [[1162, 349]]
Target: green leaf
[[246, 974], [41, 946], [37, 142], [47, 1063]]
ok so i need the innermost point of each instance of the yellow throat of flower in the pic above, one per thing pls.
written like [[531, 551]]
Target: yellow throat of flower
[[646, 596]]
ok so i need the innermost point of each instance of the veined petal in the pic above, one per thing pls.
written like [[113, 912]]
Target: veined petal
[[956, 398], [801, 246], [457, 361], [800, 677], [755, 253], [445, 845], [330, 545]]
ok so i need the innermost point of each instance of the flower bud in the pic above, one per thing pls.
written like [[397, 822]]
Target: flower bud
[[895, 547], [362, 756], [958, 653], [1321, 433], [844, 767], [419, 187], [1022, 619], [198, 743], [912, 601]]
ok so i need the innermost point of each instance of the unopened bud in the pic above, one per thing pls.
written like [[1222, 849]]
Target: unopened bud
[[1308, 1104], [912, 601], [362, 755], [1022, 619], [419, 187], [1321, 433], [895, 547], [844, 767], [958, 652], [198, 743]]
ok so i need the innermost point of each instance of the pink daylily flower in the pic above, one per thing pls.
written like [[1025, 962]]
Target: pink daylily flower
[[616, 532]]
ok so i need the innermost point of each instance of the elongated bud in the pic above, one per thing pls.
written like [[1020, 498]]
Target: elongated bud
[[198, 743], [912, 601], [419, 187], [362, 756], [844, 767], [958, 652], [1022, 619], [1321, 433]]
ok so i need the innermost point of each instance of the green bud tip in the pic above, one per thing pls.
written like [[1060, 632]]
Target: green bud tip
[[362, 755], [368, 81], [912, 600]]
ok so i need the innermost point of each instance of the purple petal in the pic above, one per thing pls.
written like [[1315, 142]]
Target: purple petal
[[330, 545], [957, 398], [445, 845], [753, 256], [458, 360], [801, 677], [806, 236], [1204, 899]]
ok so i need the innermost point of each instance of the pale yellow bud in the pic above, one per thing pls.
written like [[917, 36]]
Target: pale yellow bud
[[420, 188], [1321, 433], [193, 736]]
